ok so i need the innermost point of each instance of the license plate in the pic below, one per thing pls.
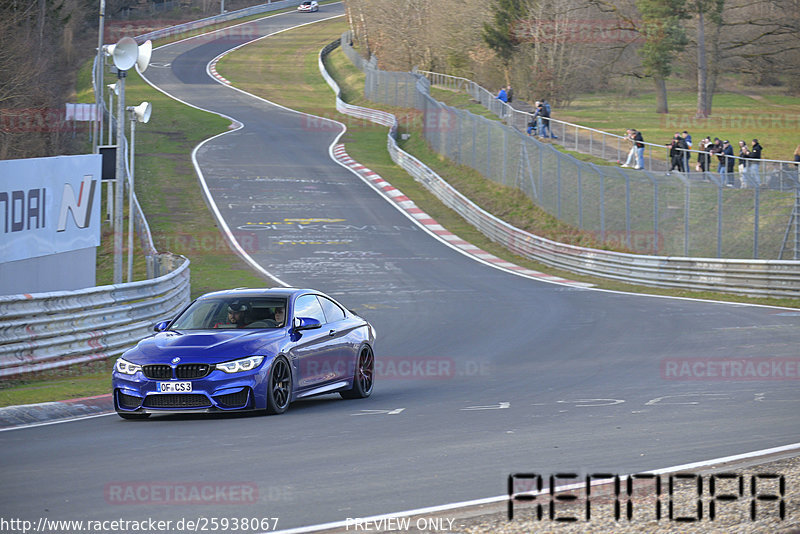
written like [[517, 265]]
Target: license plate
[[174, 387]]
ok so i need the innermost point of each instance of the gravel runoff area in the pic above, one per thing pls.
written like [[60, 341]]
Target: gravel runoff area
[[731, 515]]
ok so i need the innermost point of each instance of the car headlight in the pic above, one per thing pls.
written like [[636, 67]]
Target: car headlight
[[127, 368], [237, 366]]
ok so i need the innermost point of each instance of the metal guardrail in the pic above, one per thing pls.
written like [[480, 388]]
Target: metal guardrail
[[51, 330], [775, 278]]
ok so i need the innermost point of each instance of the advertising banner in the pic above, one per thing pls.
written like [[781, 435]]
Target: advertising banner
[[49, 205]]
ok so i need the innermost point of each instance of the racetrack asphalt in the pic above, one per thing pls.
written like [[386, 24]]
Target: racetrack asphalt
[[481, 373]]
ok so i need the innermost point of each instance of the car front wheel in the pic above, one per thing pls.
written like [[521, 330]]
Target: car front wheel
[[279, 387]]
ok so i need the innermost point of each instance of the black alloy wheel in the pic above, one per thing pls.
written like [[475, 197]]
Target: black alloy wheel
[[364, 376], [279, 387]]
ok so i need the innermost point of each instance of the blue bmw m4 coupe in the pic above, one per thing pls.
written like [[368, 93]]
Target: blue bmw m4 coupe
[[247, 349]]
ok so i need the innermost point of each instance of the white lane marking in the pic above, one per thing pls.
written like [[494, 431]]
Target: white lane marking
[[504, 498], [587, 403], [235, 125], [380, 412], [501, 406], [47, 423], [658, 400]]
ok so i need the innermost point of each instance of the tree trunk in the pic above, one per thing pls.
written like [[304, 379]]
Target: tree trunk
[[714, 70], [703, 109], [661, 95]]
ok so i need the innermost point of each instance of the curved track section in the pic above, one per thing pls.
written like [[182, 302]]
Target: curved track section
[[481, 373]]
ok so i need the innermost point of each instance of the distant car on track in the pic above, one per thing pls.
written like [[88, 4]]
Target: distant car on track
[[308, 6], [247, 349]]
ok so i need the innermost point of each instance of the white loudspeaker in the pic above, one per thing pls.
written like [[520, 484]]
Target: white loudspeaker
[[114, 88], [125, 53], [142, 111], [145, 51]]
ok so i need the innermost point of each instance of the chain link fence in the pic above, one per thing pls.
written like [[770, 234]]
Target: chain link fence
[[644, 211]]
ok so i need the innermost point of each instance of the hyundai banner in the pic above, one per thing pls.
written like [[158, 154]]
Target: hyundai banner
[[49, 205]]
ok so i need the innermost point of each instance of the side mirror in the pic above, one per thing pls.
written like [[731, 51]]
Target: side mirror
[[160, 326], [306, 323]]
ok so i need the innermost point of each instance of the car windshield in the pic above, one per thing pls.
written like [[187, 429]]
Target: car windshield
[[232, 312]]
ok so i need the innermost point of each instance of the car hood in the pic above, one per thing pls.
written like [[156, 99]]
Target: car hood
[[204, 346]]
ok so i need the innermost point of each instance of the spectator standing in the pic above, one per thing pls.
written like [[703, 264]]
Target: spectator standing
[[544, 130], [676, 153], [632, 152], [728, 163], [744, 153], [502, 95], [717, 150], [704, 156], [547, 112], [638, 141], [797, 160], [687, 140], [754, 162], [509, 94]]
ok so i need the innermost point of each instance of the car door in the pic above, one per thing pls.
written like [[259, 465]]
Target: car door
[[315, 350], [339, 328]]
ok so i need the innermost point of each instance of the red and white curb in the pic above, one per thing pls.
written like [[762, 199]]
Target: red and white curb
[[408, 205], [212, 68]]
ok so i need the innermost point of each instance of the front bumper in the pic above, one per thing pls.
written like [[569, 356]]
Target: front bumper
[[218, 392]]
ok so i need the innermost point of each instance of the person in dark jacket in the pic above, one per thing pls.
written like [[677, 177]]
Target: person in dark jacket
[[704, 156], [727, 163], [676, 153], [754, 162], [638, 141]]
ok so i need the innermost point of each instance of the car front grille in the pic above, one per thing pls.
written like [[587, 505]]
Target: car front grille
[[176, 400], [128, 401], [157, 372], [192, 370], [233, 400]]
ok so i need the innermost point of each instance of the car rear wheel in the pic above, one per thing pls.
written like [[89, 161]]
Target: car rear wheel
[[363, 378], [279, 387], [133, 415]]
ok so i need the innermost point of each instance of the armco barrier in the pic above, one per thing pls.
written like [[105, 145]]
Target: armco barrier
[[774, 278], [50, 330]]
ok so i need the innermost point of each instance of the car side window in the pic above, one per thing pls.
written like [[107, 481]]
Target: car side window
[[332, 311], [308, 306]]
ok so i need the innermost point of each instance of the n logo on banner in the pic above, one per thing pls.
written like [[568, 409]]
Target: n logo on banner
[[81, 208]]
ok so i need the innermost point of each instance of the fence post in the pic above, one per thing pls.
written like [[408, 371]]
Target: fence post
[[628, 210], [755, 222], [687, 205], [580, 199], [720, 185]]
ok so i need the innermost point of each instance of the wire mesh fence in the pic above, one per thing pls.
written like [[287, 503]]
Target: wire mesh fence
[[644, 211]]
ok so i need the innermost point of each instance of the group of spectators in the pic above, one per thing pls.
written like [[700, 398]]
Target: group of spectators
[[748, 158], [539, 124]]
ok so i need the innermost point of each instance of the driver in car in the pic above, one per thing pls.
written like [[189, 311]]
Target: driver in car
[[236, 316], [280, 316]]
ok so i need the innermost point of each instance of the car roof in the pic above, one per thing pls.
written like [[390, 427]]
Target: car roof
[[284, 292]]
